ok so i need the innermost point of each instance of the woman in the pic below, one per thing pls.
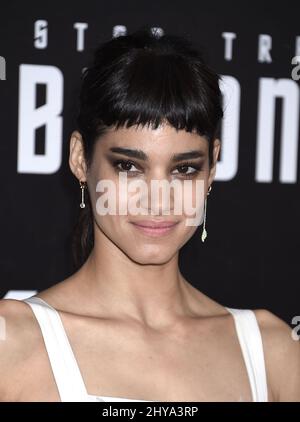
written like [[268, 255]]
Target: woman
[[136, 328]]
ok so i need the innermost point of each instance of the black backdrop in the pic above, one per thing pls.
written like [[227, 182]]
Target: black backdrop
[[251, 256]]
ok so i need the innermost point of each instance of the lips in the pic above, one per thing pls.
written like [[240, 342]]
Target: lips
[[154, 224], [155, 228]]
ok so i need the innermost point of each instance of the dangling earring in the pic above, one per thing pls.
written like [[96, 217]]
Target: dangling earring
[[204, 232], [82, 187]]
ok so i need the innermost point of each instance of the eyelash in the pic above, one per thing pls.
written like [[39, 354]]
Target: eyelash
[[197, 168]]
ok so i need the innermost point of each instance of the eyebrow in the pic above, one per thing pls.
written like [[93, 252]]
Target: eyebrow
[[140, 155], [133, 153], [188, 155]]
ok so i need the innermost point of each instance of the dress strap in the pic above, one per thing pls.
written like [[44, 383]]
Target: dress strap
[[250, 339], [65, 369]]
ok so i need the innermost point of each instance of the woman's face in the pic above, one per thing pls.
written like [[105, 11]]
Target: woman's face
[[138, 203]]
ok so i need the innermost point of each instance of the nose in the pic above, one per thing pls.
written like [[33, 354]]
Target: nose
[[159, 199]]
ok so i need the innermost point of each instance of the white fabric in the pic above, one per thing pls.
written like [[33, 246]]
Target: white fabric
[[250, 340], [69, 379]]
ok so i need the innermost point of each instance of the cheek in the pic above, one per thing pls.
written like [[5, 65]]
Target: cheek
[[187, 233], [191, 202]]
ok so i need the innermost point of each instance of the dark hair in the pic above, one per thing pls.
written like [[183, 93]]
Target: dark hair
[[143, 78]]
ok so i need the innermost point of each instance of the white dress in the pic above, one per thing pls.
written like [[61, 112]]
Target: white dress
[[68, 377]]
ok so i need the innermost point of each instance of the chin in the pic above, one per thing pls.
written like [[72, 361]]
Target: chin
[[151, 255]]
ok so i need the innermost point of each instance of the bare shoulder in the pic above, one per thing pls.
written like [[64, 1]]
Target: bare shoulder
[[16, 317], [282, 355], [17, 333]]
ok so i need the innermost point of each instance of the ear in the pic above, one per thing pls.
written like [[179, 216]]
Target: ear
[[76, 158], [216, 151]]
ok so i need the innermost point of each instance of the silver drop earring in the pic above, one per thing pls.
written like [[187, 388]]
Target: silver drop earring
[[82, 187], [204, 232]]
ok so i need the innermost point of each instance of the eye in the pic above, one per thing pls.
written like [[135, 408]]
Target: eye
[[125, 165], [187, 170]]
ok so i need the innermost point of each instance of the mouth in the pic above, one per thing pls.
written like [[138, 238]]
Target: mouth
[[155, 228]]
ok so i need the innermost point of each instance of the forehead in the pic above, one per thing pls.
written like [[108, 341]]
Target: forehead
[[164, 139]]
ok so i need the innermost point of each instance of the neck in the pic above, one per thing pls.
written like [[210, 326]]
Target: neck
[[154, 295]]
